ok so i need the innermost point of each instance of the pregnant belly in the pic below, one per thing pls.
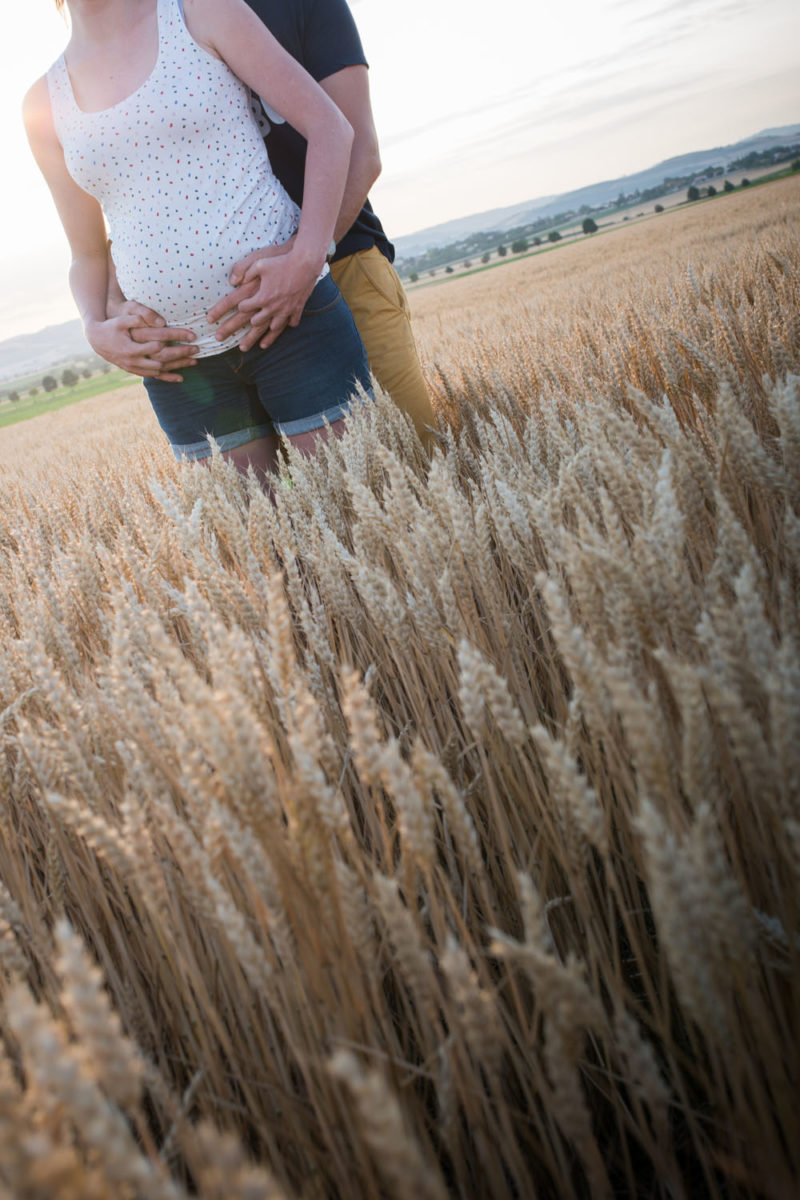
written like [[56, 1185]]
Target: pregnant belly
[[182, 274], [182, 293]]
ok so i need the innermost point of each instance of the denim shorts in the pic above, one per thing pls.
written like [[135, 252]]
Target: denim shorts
[[305, 378]]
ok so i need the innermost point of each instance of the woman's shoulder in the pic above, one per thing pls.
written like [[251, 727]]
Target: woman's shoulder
[[37, 112], [37, 98]]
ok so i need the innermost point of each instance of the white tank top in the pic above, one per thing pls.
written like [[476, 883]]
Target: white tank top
[[182, 174]]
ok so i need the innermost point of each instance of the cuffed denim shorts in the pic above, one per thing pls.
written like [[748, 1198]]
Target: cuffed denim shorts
[[305, 378]]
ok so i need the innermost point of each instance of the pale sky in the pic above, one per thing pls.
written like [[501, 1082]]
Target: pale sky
[[477, 105]]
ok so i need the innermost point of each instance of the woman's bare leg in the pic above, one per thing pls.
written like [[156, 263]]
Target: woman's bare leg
[[260, 454], [306, 443], [263, 454]]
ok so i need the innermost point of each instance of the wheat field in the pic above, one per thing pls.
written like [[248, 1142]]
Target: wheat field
[[434, 829]]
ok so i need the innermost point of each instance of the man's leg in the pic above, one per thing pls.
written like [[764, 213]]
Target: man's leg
[[375, 296]]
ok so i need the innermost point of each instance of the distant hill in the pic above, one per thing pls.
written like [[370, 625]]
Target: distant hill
[[30, 352], [500, 220], [463, 227]]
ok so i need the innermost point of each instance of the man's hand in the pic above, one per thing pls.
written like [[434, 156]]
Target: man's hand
[[271, 287], [141, 348], [228, 306]]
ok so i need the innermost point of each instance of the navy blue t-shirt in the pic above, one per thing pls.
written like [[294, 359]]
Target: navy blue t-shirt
[[322, 36]]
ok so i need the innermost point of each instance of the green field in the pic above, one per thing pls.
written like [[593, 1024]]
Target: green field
[[45, 402]]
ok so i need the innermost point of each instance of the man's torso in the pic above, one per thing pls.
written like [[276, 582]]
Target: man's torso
[[323, 38]]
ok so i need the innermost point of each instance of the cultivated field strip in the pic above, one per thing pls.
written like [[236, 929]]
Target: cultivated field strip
[[430, 830]]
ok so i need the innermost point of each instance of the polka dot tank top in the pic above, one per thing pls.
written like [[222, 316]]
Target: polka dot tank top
[[183, 177]]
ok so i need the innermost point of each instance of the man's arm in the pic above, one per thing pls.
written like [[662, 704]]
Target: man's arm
[[349, 90]]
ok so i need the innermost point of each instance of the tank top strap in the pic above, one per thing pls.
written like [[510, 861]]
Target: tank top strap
[[62, 98], [173, 38], [172, 31], [57, 76]]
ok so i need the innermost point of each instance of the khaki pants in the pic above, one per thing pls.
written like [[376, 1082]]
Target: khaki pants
[[374, 293]]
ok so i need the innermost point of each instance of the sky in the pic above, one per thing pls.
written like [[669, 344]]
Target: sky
[[478, 105]]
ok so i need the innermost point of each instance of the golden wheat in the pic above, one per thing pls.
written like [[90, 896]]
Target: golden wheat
[[432, 827]]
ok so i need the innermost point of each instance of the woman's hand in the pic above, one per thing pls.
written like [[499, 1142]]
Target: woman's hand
[[270, 292], [136, 343], [177, 350]]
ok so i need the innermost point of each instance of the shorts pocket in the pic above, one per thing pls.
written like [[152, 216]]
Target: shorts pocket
[[323, 298]]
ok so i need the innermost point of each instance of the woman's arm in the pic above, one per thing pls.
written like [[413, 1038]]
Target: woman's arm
[[80, 214], [349, 90], [84, 226], [231, 31]]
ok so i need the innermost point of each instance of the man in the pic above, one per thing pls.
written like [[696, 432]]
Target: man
[[322, 36]]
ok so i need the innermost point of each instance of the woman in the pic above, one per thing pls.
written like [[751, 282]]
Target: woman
[[146, 118]]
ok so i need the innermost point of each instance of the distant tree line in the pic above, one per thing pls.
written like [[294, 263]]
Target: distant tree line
[[482, 245], [68, 378], [764, 158], [695, 193]]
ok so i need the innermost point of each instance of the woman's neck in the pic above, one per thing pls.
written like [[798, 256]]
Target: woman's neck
[[112, 51], [100, 21]]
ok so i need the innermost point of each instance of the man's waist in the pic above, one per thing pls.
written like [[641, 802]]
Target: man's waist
[[360, 238]]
